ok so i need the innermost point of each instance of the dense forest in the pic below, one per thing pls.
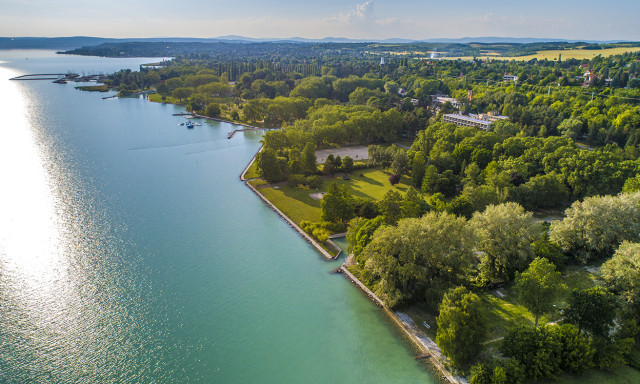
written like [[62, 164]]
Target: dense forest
[[467, 224]]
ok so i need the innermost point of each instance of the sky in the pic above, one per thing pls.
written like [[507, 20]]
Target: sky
[[361, 19]]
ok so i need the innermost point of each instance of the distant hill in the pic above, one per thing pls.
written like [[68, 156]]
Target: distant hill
[[72, 42]]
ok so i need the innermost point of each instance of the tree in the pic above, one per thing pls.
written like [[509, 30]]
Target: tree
[[419, 259], [295, 161], [347, 164], [544, 247], [612, 352], [446, 183], [480, 196], [592, 310], [596, 226], [400, 161], [329, 167], [576, 353], [430, 180], [394, 178], [505, 233], [337, 162], [337, 204], [391, 206], [461, 325], [269, 166], [309, 159], [212, 110], [418, 170], [570, 128], [622, 274], [498, 371], [538, 287], [536, 351], [162, 89], [413, 204], [380, 156], [632, 184], [543, 191], [360, 234], [182, 93], [461, 206]]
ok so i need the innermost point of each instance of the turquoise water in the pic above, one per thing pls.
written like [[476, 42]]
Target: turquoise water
[[130, 252]]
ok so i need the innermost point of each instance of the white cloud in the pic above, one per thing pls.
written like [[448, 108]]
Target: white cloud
[[363, 13]]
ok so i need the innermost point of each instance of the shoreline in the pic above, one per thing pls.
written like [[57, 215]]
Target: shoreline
[[422, 342]]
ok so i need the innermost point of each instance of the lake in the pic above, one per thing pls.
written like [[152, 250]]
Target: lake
[[130, 252]]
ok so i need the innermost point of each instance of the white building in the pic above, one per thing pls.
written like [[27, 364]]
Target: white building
[[441, 100], [482, 121], [466, 121]]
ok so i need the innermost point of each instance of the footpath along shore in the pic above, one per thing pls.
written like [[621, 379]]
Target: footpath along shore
[[425, 345]]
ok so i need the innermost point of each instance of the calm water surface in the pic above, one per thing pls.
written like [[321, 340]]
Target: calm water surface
[[131, 253]]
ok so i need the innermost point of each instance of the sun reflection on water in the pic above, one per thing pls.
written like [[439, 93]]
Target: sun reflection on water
[[29, 236], [70, 310]]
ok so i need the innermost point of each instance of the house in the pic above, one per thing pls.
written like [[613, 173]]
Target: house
[[589, 77], [509, 77]]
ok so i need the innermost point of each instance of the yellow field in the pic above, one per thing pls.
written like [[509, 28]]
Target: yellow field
[[553, 54], [576, 53]]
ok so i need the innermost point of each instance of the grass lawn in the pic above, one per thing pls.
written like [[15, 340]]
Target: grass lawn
[[370, 183], [252, 172], [622, 375], [156, 97], [294, 202], [298, 205], [256, 183]]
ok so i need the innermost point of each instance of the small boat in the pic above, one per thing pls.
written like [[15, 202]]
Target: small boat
[[189, 124]]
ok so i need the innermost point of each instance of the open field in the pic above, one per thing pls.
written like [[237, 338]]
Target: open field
[[553, 54], [574, 53]]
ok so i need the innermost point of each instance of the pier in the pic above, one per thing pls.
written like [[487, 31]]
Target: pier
[[44, 76], [62, 78], [232, 133]]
